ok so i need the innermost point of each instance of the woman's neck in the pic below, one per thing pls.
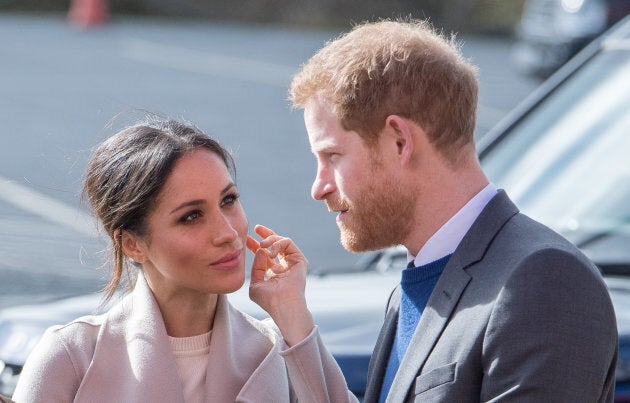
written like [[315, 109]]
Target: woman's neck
[[185, 317]]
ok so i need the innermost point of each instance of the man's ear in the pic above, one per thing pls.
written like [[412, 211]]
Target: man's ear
[[402, 133], [131, 245]]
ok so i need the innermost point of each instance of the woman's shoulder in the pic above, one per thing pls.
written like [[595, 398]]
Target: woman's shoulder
[[74, 337], [65, 350]]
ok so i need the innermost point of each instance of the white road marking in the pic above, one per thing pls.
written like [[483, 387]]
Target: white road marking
[[44, 206]]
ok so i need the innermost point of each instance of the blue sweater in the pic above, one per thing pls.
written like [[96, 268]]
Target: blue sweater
[[416, 284]]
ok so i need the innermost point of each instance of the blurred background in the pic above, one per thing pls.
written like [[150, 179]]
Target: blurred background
[[482, 16], [73, 72]]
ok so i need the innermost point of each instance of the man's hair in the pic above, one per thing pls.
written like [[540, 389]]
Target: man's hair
[[401, 67]]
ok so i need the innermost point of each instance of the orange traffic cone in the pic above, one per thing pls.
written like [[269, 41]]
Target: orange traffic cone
[[87, 13]]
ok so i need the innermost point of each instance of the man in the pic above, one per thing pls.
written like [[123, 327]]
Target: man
[[494, 306]]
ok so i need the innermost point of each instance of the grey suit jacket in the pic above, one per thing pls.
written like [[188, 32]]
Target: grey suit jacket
[[519, 314]]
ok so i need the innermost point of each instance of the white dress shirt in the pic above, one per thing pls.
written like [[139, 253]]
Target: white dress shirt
[[448, 237]]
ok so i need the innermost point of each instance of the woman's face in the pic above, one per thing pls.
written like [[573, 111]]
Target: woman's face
[[197, 230]]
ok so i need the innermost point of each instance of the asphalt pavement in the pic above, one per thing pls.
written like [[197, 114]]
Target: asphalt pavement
[[63, 90]]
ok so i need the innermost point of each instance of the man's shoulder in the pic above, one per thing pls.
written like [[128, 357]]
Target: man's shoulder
[[527, 232], [504, 233], [524, 243]]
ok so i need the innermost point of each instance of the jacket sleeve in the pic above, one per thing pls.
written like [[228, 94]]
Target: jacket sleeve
[[552, 334], [314, 373], [48, 374]]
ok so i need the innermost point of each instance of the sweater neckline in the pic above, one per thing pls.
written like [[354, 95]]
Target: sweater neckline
[[190, 343], [425, 272]]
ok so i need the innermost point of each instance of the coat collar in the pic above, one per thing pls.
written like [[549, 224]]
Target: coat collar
[[448, 291], [133, 359]]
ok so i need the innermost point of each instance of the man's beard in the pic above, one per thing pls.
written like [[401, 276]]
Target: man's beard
[[380, 217]]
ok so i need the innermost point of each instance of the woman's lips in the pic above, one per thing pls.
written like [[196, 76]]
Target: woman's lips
[[229, 261]]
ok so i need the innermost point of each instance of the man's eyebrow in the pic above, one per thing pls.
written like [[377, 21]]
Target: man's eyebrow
[[325, 148]]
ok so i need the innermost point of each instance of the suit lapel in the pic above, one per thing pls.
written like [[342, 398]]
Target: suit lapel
[[441, 304], [380, 356], [448, 291]]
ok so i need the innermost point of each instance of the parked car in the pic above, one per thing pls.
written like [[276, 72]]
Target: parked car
[[348, 321], [383, 261], [562, 155], [552, 31]]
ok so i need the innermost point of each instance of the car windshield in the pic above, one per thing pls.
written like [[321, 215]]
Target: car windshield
[[567, 165]]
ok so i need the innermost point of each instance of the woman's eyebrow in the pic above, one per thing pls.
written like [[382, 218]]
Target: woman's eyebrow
[[188, 204], [228, 187], [198, 202]]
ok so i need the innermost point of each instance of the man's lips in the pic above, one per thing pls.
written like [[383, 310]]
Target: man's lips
[[340, 215], [339, 208]]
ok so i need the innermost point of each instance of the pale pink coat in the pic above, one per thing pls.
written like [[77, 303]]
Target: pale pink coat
[[124, 356]]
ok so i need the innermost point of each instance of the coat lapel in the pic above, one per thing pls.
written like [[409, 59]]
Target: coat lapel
[[132, 352], [448, 291], [244, 359]]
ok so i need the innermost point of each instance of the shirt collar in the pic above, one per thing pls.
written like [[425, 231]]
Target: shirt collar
[[448, 237]]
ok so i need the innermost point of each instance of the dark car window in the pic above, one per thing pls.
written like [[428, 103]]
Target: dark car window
[[567, 163]]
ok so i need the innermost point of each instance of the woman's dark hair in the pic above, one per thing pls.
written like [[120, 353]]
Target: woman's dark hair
[[126, 173]]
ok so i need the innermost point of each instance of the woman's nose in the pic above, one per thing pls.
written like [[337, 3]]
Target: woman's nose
[[225, 232]]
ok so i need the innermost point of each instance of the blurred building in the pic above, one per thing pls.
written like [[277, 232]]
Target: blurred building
[[552, 31]]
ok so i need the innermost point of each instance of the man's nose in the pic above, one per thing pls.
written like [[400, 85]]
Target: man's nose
[[322, 186]]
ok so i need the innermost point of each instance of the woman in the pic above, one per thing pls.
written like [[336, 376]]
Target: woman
[[163, 192]]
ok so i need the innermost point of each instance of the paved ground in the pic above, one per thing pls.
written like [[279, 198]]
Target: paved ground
[[63, 90]]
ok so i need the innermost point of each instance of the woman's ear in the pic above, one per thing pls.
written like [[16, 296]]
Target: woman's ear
[[131, 245]]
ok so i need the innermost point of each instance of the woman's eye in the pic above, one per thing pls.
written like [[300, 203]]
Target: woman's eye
[[230, 199], [190, 217]]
